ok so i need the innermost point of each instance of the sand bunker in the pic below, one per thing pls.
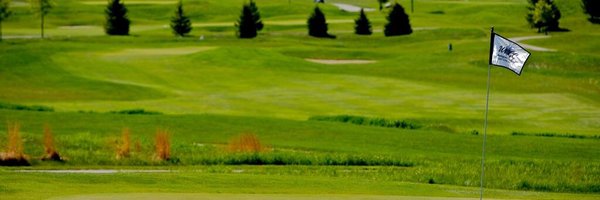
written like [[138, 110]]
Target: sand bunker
[[351, 8], [340, 62], [152, 52]]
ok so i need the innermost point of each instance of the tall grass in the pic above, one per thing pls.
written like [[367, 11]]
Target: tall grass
[[123, 150], [245, 143], [14, 155], [163, 145], [49, 146]]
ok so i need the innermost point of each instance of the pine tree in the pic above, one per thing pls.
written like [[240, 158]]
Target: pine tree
[[4, 13], [246, 24], [317, 24], [180, 23], [363, 25], [256, 14], [592, 9], [42, 7], [398, 23], [117, 22]]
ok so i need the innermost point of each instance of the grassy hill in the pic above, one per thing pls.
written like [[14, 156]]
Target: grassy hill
[[213, 89]]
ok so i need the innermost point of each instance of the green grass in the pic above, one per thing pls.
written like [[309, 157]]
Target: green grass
[[213, 89], [543, 164], [290, 182]]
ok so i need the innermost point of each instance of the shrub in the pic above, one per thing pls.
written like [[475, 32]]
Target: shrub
[[136, 112], [431, 181], [10, 106], [14, 155], [359, 120], [163, 145]]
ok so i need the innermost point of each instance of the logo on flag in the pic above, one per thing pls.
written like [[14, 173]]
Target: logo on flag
[[508, 54]]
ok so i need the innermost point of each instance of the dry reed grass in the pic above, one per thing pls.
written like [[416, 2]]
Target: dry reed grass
[[246, 143], [137, 146], [163, 145], [123, 150], [49, 147], [14, 155]]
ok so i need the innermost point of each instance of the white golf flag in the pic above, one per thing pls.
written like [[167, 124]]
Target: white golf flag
[[508, 54]]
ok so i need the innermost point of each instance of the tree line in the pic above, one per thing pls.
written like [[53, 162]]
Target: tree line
[[542, 14]]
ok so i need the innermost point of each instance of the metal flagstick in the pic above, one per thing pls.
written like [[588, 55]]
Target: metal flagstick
[[487, 103]]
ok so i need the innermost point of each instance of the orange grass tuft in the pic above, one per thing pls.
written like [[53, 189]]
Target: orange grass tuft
[[163, 146], [15, 144], [14, 155], [49, 148], [246, 143], [123, 150]]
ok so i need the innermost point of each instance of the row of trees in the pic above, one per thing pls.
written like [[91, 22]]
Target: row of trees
[[398, 23], [543, 15], [117, 22]]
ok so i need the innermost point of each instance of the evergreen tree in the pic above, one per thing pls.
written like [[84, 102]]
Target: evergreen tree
[[592, 8], [4, 13], [363, 25], [117, 22], [180, 23], [256, 14], [246, 24], [317, 24], [543, 15], [398, 23], [42, 7]]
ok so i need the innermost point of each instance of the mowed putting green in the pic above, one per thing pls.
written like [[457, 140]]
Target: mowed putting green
[[414, 108]]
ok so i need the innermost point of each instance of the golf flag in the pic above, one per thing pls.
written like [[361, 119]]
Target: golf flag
[[508, 54]]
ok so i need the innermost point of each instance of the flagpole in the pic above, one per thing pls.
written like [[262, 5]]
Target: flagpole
[[485, 124]]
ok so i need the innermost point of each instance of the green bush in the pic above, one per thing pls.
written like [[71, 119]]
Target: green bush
[[359, 120], [136, 112], [10, 106]]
